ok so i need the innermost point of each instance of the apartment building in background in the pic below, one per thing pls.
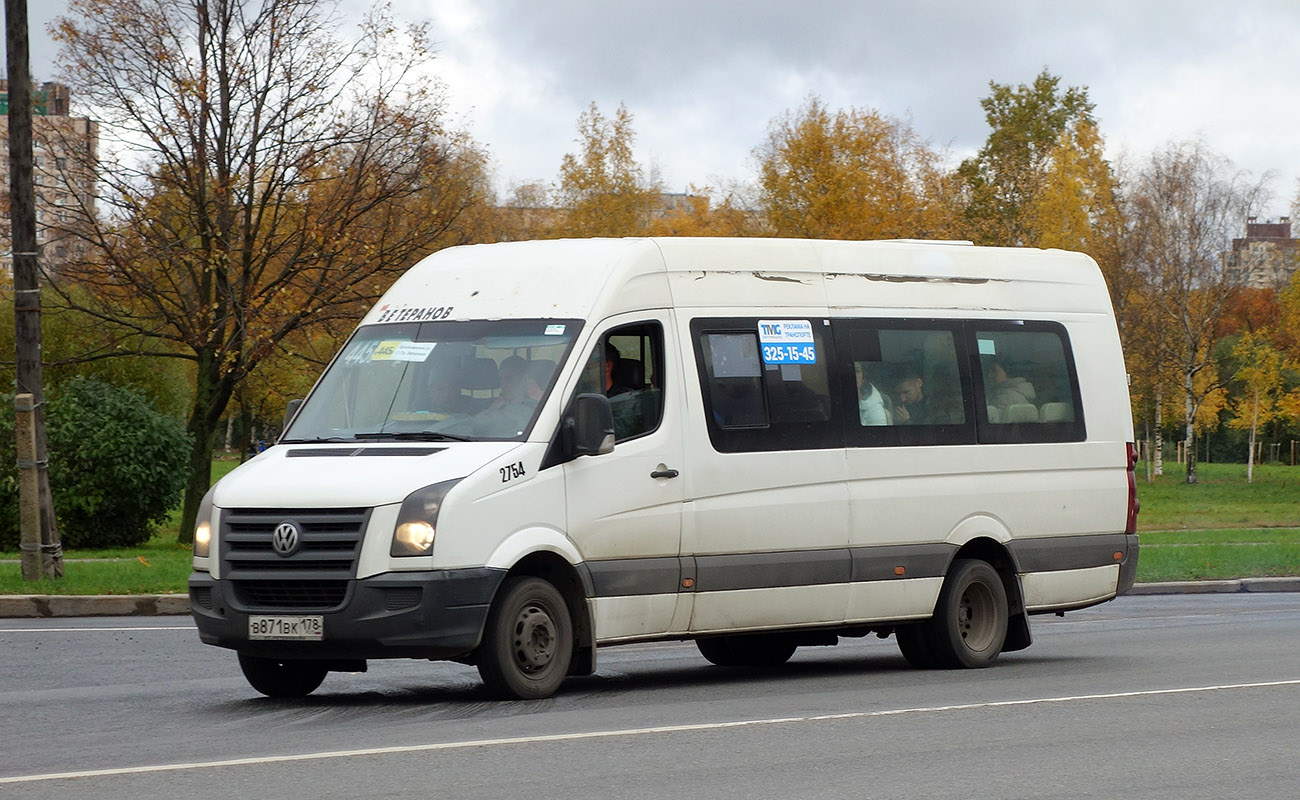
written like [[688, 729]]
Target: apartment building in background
[[64, 153], [1266, 256]]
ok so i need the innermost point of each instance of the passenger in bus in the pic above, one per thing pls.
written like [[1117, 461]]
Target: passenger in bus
[[911, 404], [874, 408], [1002, 391]]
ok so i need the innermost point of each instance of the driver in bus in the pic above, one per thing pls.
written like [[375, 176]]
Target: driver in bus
[[510, 412]]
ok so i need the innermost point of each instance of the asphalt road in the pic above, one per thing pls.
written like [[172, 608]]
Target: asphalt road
[[1147, 697]]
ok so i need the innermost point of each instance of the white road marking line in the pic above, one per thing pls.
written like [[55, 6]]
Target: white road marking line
[[571, 737], [80, 630]]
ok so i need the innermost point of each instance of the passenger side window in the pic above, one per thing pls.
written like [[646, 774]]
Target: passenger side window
[[907, 382], [766, 383], [907, 377], [625, 366], [1028, 389]]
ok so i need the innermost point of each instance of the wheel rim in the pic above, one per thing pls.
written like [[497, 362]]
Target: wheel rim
[[534, 638], [977, 616]]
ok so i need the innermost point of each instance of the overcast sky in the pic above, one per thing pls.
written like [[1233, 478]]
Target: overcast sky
[[704, 78]]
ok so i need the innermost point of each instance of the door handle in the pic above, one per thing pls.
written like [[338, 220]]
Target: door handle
[[664, 472]]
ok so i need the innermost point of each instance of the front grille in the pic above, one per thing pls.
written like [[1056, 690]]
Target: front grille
[[291, 594], [315, 574]]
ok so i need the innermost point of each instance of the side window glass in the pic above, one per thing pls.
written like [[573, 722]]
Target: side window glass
[[768, 384], [772, 375], [919, 373], [875, 405], [794, 355], [1026, 378], [625, 367], [734, 375]]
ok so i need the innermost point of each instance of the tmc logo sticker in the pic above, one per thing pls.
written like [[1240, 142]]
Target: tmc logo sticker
[[285, 538]]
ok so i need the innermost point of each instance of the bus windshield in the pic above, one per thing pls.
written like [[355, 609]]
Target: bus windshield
[[437, 380]]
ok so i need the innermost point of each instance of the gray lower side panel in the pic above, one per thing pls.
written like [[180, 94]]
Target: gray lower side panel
[[1073, 552], [738, 571]]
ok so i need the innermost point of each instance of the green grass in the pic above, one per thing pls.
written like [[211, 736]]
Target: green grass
[[1221, 498], [161, 565], [1219, 528], [1236, 554]]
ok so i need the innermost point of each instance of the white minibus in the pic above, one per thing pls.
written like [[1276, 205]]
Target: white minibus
[[529, 450]]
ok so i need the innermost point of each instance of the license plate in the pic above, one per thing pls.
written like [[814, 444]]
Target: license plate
[[305, 629]]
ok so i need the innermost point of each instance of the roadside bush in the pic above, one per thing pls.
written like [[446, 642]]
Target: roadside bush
[[117, 465]]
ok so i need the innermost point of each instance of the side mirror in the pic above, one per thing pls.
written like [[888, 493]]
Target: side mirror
[[591, 425], [290, 411]]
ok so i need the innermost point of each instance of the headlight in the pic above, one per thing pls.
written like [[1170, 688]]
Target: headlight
[[203, 527], [417, 521]]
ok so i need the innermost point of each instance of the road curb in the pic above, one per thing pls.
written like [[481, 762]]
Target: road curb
[[16, 606], [1290, 584], [92, 605]]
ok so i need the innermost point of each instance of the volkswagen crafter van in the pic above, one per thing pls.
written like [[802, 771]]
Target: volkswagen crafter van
[[529, 450]]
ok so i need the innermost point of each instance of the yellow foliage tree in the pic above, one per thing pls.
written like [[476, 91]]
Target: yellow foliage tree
[[696, 214], [1032, 127], [1260, 370], [851, 175], [602, 190], [1183, 207], [1076, 206]]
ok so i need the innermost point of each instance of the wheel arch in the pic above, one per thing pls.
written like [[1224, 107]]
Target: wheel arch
[[996, 554], [574, 586]]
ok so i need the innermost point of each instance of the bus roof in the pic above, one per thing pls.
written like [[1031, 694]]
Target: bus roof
[[586, 278]]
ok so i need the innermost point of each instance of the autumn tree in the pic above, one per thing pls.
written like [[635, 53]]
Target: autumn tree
[[703, 211], [1259, 369], [602, 189], [854, 174], [262, 174], [1184, 205], [1033, 127], [1077, 207], [1149, 350]]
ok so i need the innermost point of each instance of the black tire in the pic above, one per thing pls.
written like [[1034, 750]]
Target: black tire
[[716, 650], [970, 621], [528, 642], [752, 650], [914, 642], [282, 678]]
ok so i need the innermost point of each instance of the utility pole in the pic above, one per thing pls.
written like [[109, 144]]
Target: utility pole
[[27, 287]]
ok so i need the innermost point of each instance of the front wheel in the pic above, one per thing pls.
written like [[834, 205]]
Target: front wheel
[[970, 621], [528, 642], [282, 678]]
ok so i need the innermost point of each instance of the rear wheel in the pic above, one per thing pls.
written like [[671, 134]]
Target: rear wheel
[[282, 678], [715, 649], [970, 621], [752, 650], [914, 642], [528, 642]]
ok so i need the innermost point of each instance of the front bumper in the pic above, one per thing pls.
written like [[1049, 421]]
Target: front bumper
[[436, 615]]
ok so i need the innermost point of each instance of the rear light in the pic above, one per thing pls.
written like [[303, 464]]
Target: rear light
[[1131, 522]]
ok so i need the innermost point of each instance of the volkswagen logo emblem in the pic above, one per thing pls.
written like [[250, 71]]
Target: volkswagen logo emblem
[[285, 538]]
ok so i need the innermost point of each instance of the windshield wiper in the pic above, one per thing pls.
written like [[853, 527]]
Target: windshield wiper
[[416, 436]]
